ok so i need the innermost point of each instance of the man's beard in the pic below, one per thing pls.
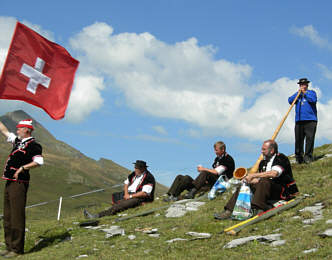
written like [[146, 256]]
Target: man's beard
[[267, 157]]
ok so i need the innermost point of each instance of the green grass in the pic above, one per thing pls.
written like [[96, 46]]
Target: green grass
[[315, 179]]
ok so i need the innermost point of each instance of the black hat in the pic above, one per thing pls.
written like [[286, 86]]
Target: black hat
[[303, 81], [140, 164]]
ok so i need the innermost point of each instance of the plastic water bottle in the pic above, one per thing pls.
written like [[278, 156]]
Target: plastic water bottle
[[219, 187]]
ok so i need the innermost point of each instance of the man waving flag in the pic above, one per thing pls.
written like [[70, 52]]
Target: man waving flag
[[38, 71]]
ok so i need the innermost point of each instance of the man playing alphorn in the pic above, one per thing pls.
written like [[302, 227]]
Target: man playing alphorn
[[274, 181], [305, 121]]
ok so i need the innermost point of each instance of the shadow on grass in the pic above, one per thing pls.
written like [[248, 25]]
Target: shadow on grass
[[46, 241], [316, 158]]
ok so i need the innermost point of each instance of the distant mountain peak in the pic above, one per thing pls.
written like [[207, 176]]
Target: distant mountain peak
[[18, 115]]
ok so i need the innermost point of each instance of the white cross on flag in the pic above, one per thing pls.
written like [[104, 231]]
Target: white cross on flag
[[38, 71]]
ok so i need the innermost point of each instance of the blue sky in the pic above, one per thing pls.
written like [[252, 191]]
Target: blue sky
[[163, 80]]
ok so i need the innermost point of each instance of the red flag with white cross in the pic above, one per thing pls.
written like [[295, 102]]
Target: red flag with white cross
[[38, 71]]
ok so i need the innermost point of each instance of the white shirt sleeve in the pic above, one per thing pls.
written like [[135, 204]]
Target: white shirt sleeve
[[147, 189], [38, 159], [126, 181], [11, 138], [278, 169], [220, 169]]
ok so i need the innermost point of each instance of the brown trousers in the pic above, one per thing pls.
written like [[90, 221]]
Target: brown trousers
[[263, 191], [180, 184], [15, 197], [122, 205], [205, 179]]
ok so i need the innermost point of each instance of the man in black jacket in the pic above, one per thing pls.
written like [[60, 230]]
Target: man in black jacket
[[25, 155], [274, 181], [223, 165], [138, 188]]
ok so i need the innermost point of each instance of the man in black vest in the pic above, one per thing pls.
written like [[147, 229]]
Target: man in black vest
[[223, 165], [26, 154], [138, 188], [274, 181]]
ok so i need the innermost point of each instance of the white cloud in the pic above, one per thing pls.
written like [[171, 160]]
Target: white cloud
[[185, 81], [86, 95], [327, 73], [160, 129], [312, 34]]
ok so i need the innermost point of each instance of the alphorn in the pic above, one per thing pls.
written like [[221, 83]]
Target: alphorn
[[240, 172]]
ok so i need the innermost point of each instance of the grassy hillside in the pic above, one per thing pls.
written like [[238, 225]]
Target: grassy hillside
[[314, 179], [66, 172]]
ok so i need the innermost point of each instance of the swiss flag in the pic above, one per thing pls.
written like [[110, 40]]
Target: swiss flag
[[38, 71]]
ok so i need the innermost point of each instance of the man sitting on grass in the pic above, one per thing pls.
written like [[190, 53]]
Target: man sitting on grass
[[223, 165], [138, 188], [274, 181]]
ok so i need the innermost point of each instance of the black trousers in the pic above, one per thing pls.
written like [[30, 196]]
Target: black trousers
[[15, 197], [304, 130], [180, 184], [263, 191]]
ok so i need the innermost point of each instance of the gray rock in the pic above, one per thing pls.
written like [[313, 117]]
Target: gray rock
[[326, 233], [240, 241], [278, 243], [82, 256], [269, 238], [131, 237], [176, 211], [151, 231], [329, 221], [200, 235], [154, 235], [176, 239], [312, 250], [180, 209], [317, 212], [113, 231]]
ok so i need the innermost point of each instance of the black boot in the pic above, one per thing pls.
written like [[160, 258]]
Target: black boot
[[88, 215], [299, 159], [191, 194]]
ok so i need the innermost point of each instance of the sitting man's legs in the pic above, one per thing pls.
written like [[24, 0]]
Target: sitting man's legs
[[122, 205], [263, 191], [180, 184], [203, 179]]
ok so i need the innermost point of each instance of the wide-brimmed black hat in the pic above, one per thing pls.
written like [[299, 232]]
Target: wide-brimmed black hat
[[303, 81], [140, 164]]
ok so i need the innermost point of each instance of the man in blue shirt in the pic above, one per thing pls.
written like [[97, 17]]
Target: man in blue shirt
[[305, 121]]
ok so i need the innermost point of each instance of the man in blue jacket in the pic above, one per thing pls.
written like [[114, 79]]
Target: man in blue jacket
[[305, 121]]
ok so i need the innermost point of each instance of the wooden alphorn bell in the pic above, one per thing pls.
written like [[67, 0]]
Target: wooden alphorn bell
[[241, 172]]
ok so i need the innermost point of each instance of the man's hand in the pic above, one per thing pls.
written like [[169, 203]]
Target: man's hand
[[255, 181], [200, 168], [17, 173], [249, 178], [126, 196]]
